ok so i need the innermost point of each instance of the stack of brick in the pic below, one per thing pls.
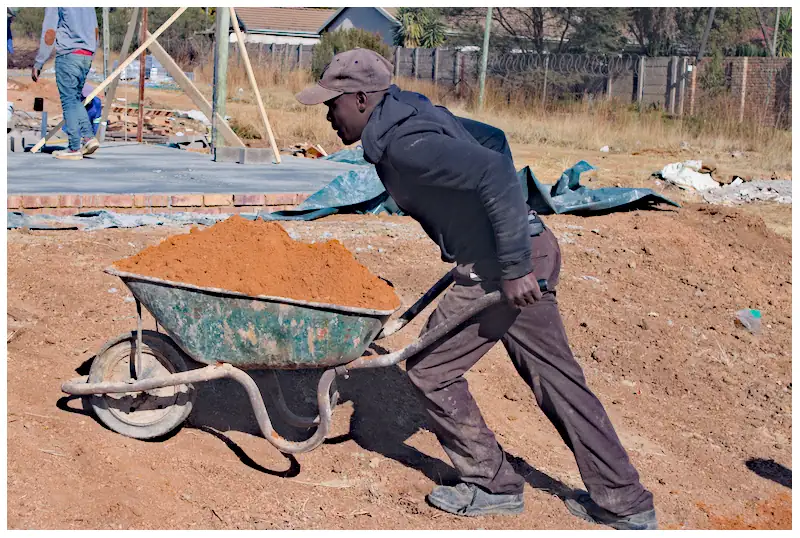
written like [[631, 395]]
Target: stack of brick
[[70, 204]]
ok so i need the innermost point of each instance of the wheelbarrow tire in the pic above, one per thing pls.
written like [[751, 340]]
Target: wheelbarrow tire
[[142, 415]]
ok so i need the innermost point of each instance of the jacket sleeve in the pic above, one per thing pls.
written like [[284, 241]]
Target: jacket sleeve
[[48, 39], [435, 159]]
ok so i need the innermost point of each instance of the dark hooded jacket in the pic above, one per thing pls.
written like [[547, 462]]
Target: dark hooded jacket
[[466, 196]]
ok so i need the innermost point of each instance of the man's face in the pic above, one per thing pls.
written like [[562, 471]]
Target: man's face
[[346, 116]]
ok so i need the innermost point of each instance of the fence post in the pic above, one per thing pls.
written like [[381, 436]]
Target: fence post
[[640, 83], [272, 54], [299, 56], [682, 87], [609, 84], [544, 85], [673, 75], [693, 88], [397, 61], [744, 89], [435, 64], [416, 62], [457, 70]]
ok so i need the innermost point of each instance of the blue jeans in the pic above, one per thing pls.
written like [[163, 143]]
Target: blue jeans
[[71, 71]]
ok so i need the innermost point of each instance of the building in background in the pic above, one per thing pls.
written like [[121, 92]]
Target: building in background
[[305, 25]]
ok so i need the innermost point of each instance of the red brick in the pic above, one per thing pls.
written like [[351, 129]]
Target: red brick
[[115, 200], [140, 200], [69, 200], [186, 200], [207, 210], [158, 200], [182, 209], [279, 199], [248, 199], [241, 209], [60, 211], [217, 199], [14, 202], [34, 201]]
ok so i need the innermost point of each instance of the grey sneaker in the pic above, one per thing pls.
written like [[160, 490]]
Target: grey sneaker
[[584, 507], [470, 500], [90, 146], [68, 154]]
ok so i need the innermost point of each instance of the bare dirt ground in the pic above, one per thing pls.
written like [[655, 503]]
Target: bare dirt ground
[[648, 299]]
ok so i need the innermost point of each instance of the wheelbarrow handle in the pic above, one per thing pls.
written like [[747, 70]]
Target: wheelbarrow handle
[[427, 298], [426, 339], [422, 303]]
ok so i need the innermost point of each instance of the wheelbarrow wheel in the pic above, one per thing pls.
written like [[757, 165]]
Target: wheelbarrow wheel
[[141, 415]]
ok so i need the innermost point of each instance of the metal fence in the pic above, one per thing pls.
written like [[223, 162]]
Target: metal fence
[[759, 86]]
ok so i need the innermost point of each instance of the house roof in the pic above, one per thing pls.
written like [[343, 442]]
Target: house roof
[[294, 20], [285, 19]]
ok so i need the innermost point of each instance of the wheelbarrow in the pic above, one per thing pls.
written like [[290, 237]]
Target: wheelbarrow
[[142, 383]]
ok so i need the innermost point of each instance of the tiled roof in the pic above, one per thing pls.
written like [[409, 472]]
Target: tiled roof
[[287, 19]]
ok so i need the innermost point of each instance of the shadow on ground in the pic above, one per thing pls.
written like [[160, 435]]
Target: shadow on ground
[[771, 470], [386, 412]]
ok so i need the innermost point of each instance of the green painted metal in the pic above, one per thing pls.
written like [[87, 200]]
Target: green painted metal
[[252, 332]]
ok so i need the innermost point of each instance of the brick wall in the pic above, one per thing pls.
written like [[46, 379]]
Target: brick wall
[[759, 88], [70, 204]]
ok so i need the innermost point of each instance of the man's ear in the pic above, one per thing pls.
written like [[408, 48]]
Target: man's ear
[[361, 101]]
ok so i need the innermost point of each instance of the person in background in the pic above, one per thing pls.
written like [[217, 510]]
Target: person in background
[[11, 13], [74, 34]]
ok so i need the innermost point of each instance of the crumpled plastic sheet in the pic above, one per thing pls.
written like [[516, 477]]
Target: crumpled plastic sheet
[[96, 220], [361, 191], [687, 175]]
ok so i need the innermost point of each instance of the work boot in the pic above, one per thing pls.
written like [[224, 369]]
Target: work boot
[[69, 154], [470, 500], [90, 146], [584, 507]]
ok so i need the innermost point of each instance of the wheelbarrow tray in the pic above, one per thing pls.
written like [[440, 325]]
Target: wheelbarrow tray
[[212, 325]]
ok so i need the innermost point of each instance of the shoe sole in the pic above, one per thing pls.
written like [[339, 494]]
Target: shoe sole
[[506, 509], [620, 526], [91, 149]]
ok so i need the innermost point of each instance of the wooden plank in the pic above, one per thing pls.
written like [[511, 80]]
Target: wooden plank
[[112, 88], [194, 94], [252, 78]]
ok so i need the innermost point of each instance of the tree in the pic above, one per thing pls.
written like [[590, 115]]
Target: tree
[[597, 29], [420, 27], [784, 44], [332, 43]]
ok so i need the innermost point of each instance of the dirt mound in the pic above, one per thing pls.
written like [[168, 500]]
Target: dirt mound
[[770, 514], [259, 258]]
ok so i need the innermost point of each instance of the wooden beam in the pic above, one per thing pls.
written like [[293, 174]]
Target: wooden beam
[[252, 77], [112, 88], [191, 90], [113, 75]]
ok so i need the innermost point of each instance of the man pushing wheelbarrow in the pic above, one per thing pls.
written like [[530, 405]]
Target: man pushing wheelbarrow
[[462, 188]]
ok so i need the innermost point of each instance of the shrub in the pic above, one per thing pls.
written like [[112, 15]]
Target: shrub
[[333, 43]]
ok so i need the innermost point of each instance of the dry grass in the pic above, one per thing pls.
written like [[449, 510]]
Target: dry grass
[[581, 125]]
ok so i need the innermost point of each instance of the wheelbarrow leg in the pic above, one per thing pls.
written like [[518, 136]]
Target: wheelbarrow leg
[[325, 400], [286, 413]]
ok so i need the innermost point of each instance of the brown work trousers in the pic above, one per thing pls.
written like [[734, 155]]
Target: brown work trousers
[[535, 339]]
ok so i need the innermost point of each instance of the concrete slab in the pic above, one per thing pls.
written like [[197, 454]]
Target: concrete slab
[[134, 168]]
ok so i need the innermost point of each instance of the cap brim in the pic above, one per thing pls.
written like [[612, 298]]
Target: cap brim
[[315, 95]]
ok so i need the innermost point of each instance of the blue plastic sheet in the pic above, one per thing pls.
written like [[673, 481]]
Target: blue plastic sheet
[[361, 191]]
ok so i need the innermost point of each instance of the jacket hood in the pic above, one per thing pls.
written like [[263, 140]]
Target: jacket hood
[[395, 108]]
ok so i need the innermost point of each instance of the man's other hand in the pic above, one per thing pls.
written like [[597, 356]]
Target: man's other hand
[[35, 73], [522, 291]]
